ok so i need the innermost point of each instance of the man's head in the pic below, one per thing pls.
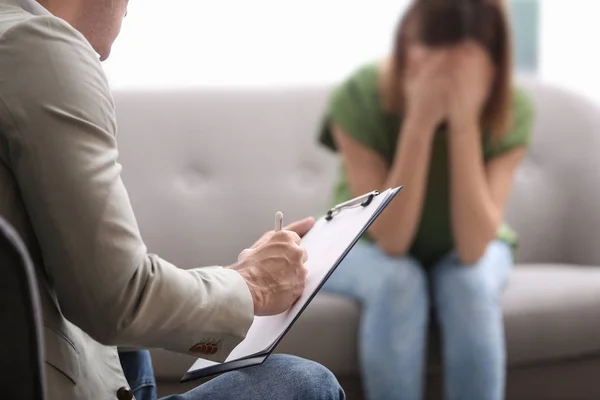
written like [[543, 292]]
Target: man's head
[[98, 20]]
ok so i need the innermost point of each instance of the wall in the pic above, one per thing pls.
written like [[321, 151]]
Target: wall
[[271, 42]]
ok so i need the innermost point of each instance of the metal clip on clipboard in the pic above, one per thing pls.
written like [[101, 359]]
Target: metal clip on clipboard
[[361, 201]]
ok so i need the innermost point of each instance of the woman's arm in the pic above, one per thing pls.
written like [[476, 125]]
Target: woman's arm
[[478, 192], [366, 170]]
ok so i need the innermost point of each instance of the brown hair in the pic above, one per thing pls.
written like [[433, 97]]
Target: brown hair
[[439, 23]]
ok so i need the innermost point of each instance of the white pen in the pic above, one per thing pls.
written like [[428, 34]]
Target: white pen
[[278, 221]]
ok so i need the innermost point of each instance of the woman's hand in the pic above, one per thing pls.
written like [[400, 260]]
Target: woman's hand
[[426, 87], [471, 72]]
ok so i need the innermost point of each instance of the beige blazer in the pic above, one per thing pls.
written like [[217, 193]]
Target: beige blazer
[[60, 187]]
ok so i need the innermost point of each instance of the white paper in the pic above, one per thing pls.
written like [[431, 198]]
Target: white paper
[[325, 244]]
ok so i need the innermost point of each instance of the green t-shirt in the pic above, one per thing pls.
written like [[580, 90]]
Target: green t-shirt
[[356, 107]]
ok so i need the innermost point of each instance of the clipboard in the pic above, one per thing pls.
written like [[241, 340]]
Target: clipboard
[[327, 244]]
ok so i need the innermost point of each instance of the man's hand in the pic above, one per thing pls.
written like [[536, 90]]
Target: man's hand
[[274, 268]]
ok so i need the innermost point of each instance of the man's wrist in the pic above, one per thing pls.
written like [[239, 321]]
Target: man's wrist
[[257, 295]]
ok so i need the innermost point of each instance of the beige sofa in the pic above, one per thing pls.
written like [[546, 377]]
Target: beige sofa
[[207, 169]]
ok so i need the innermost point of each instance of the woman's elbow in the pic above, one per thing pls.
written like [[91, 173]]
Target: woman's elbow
[[392, 248], [469, 257], [472, 251]]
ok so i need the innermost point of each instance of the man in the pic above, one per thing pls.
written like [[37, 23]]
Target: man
[[60, 187]]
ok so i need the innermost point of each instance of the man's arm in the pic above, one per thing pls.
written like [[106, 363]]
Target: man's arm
[[56, 108]]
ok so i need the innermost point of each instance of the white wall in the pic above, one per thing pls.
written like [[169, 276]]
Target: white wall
[[570, 50], [274, 42], [240, 42]]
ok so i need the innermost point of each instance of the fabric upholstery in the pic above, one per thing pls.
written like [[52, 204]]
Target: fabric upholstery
[[554, 204], [223, 161]]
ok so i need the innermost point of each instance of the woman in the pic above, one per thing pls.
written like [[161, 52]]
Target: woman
[[441, 118]]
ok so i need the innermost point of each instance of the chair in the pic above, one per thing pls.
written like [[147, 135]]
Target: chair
[[21, 347]]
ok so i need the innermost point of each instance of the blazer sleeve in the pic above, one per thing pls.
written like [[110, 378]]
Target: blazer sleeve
[[58, 115]]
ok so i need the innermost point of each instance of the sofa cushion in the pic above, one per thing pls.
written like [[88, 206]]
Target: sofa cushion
[[551, 313], [554, 201]]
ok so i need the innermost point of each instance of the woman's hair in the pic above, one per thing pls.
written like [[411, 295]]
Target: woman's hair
[[440, 23]]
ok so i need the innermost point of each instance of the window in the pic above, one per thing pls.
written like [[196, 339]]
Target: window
[[524, 15]]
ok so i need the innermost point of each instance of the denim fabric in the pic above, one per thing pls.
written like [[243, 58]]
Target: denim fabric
[[280, 377], [397, 295], [137, 366]]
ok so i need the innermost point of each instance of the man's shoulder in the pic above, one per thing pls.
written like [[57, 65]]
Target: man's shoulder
[[11, 15], [21, 29], [50, 63], [16, 22], [32, 43]]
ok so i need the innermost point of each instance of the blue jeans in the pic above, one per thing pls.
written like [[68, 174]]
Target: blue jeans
[[395, 297], [280, 377], [137, 366]]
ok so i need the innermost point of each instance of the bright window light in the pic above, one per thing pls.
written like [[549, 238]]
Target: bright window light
[[248, 43], [225, 43], [569, 37]]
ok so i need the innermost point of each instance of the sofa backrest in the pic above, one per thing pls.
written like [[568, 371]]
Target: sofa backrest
[[207, 170], [555, 201]]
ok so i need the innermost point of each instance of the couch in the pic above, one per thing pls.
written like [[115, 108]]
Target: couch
[[207, 169]]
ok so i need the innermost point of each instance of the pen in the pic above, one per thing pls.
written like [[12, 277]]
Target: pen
[[278, 221]]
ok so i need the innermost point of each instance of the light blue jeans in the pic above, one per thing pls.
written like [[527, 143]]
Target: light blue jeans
[[395, 296], [280, 377]]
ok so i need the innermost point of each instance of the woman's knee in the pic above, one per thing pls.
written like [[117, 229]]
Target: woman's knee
[[305, 379], [367, 271], [480, 283], [461, 290], [404, 277]]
